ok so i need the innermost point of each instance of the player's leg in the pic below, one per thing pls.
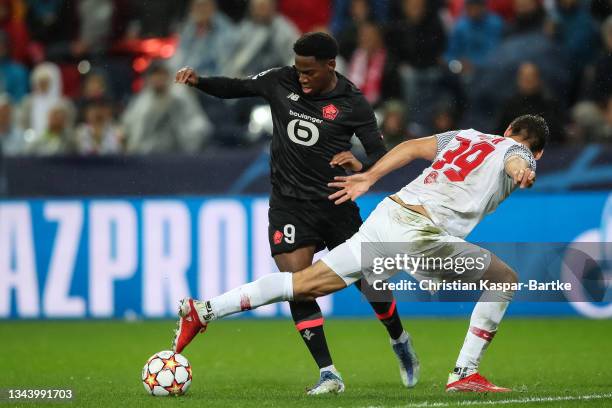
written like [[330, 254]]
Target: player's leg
[[484, 322], [309, 323], [303, 286], [339, 268], [306, 285], [338, 224], [384, 305], [294, 239]]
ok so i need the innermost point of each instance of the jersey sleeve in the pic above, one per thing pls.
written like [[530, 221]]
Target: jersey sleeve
[[522, 152], [443, 139], [227, 88], [366, 130]]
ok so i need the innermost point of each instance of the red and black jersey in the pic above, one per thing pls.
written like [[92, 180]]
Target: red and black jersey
[[308, 130]]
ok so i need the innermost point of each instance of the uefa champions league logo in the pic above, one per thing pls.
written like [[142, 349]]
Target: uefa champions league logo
[[591, 297]]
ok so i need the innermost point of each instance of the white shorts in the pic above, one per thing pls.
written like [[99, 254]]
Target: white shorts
[[392, 231]]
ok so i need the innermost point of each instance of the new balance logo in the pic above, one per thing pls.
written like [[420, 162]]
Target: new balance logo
[[308, 334], [293, 96]]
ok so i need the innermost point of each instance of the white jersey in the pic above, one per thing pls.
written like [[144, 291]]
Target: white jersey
[[466, 180]]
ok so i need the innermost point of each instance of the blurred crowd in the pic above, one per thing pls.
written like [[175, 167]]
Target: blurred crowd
[[94, 77]]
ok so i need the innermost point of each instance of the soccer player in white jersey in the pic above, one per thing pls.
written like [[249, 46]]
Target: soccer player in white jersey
[[471, 173]]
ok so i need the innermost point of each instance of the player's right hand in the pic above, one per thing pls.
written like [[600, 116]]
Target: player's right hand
[[186, 75], [524, 178], [351, 187]]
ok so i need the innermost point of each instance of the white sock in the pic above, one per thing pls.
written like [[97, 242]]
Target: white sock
[[401, 339], [331, 368], [272, 288], [486, 316]]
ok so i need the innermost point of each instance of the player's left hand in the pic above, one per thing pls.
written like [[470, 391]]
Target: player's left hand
[[524, 178], [351, 187], [347, 161]]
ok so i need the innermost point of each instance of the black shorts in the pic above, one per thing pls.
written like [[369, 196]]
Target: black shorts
[[295, 223]]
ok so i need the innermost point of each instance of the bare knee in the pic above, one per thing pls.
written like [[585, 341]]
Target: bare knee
[[499, 271], [511, 276]]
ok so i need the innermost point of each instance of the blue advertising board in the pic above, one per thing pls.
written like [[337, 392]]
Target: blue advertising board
[[134, 258]]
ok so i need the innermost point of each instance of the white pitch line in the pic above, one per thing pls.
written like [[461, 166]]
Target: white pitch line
[[428, 404]]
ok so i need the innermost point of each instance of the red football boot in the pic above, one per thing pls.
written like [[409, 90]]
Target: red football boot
[[472, 383], [189, 325]]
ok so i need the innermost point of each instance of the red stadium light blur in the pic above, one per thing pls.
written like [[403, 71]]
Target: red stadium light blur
[[167, 50], [151, 46], [140, 64]]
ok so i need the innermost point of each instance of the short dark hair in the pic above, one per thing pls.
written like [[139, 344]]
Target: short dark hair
[[320, 45], [533, 129]]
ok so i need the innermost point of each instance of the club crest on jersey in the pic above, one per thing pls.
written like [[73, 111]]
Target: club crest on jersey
[[431, 177], [330, 112], [277, 237]]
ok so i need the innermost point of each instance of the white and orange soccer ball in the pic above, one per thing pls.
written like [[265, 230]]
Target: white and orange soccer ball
[[166, 373]]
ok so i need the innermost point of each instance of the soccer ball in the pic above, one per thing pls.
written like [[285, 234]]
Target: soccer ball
[[166, 373]]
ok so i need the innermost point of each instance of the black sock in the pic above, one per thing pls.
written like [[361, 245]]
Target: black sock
[[309, 322], [393, 323], [384, 307]]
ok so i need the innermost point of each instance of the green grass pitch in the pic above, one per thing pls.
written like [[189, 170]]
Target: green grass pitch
[[263, 363]]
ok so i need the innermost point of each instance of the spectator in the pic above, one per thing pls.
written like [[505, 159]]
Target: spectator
[[592, 122], [601, 86], [475, 35], [342, 13], [89, 28], [360, 12], [13, 76], [94, 86], [575, 30], [529, 17], [531, 98], [164, 118], [99, 135], [98, 26], [44, 19], [206, 39], [46, 92], [394, 124], [57, 138], [418, 39], [372, 69], [306, 14], [264, 40], [16, 31], [11, 139], [156, 18], [445, 118]]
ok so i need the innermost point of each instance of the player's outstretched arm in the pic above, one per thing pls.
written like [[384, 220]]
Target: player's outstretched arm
[[520, 171], [222, 87], [353, 187]]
